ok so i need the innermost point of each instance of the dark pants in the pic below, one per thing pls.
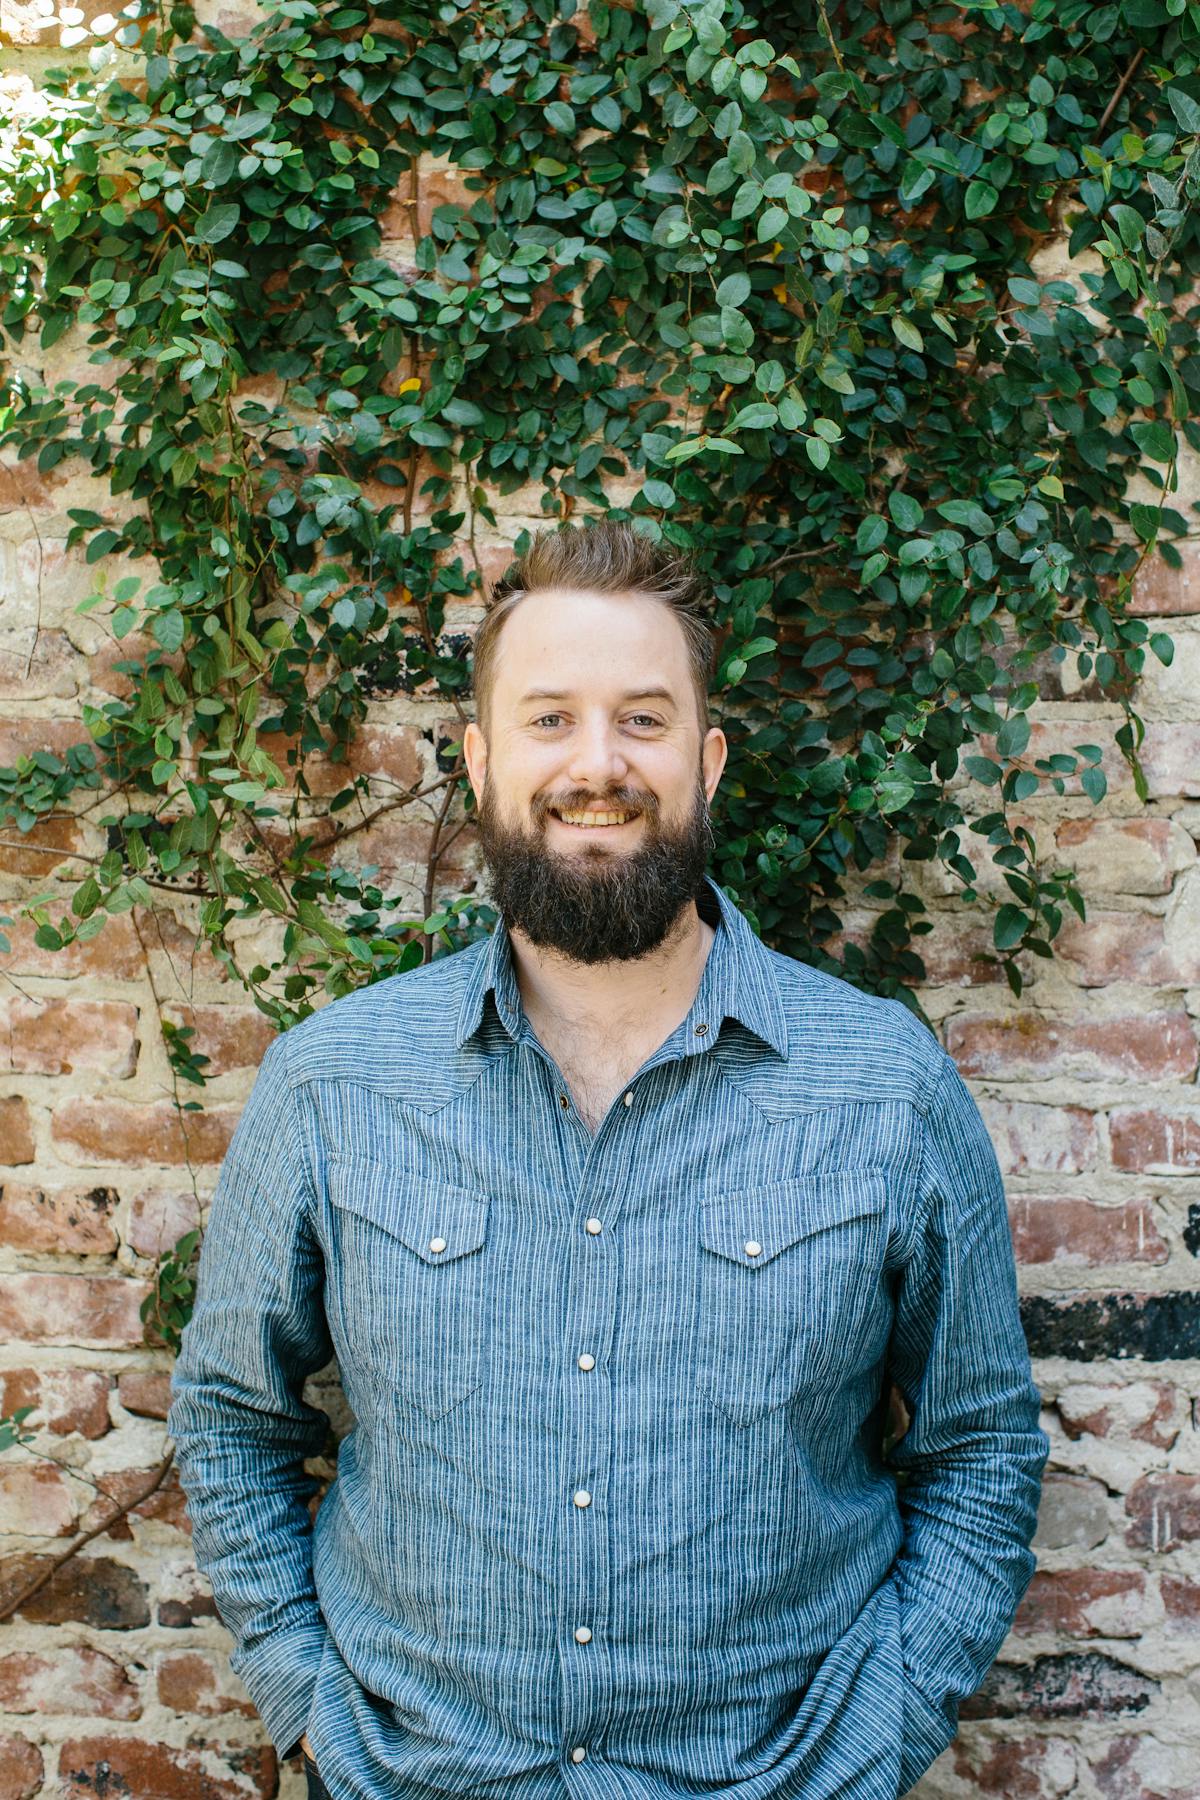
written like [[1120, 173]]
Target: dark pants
[[316, 1787]]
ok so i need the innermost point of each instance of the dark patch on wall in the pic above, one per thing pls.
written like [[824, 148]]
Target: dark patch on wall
[[1061, 1687], [1088, 1328], [1191, 1231]]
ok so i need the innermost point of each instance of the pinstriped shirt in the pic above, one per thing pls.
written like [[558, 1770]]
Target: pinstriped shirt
[[615, 1517]]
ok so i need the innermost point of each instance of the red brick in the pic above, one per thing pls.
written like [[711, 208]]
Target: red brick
[[1161, 591], [1062, 1228], [1154, 1046], [21, 1770], [1148, 1411], [77, 1220], [132, 1766], [1084, 1603], [146, 1392], [1127, 856], [953, 954], [1181, 1603], [232, 1037], [16, 1131], [102, 1130], [184, 1597], [1164, 1510], [54, 671], [1044, 1140], [165, 1503], [64, 1400], [191, 1681], [1031, 1768], [36, 853], [72, 1309], [114, 954], [390, 752], [57, 1035], [86, 1589], [38, 1500], [75, 1679], [1123, 946], [21, 487], [1145, 1767], [157, 1220], [1144, 1138], [22, 737]]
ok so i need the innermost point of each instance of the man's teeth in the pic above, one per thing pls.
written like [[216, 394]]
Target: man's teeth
[[595, 818]]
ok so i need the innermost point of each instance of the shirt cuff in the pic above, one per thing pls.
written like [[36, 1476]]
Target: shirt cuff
[[280, 1674]]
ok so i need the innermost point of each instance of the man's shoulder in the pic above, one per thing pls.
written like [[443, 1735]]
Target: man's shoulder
[[385, 1033], [847, 1045]]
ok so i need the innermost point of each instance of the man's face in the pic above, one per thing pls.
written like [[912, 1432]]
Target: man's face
[[594, 782]]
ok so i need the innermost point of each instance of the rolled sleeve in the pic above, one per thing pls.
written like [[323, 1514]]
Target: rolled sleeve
[[241, 1430], [973, 1455]]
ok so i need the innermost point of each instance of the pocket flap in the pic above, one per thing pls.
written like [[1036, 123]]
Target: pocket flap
[[436, 1221], [772, 1217]]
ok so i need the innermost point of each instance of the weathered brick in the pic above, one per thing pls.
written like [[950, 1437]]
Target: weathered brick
[[1029, 1768], [94, 1130], [1170, 759], [78, 1220], [1073, 1512], [192, 1681], [1164, 1511], [1181, 1603], [114, 954], [1126, 946], [1148, 1138], [35, 854], [107, 1764], [166, 1503], [145, 1392], [158, 1218], [1146, 1046], [72, 1309], [1125, 856], [21, 1769], [1160, 591], [185, 1597], [75, 1679], [1063, 1228], [64, 1400], [16, 1131], [1094, 1327], [1145, 1767], [1042, 1140], [390, 752], [37, 1500], [232, 1037], [86, 1590], [1086, 1686], [1148, 1412], [53, 671], [55, 1036], [1084, 1603]]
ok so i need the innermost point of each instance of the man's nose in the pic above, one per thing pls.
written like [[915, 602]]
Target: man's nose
[[597, 757]]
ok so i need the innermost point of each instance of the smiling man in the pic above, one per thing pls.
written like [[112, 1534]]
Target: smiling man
[[621, 1226]]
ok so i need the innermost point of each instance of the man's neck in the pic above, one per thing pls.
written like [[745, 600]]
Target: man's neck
[[644, 994]]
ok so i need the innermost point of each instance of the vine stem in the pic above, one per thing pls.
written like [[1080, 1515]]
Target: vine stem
[[1124, 82], [56, 1562]]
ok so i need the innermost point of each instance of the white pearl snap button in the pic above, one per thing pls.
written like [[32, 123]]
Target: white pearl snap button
[[437, 1243], [752, 1248]]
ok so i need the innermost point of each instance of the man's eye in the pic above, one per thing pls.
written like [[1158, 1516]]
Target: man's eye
[[545, 716], [645, 718]]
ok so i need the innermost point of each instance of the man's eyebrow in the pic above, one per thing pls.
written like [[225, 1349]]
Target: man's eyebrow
[[647, 693]]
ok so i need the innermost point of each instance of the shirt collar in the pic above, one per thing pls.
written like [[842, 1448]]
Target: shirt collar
[[738, 982]]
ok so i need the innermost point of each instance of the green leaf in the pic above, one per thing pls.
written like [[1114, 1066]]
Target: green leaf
[[1009, 927], [1154, 438], [1186, 110], [906, 512], [981, 199], [217, 223]]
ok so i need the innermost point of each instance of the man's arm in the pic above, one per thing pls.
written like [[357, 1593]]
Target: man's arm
[[974, 1452], [241, 1430]]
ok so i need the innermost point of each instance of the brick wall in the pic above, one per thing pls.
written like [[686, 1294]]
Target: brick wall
[[114, 1679]]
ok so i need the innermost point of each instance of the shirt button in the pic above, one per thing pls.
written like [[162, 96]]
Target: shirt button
[[752, 1248], [629, 1098], [578, 1753], [437, 1243], [563, 1101], [592, 1225], [583, 1634], [582, 1497], [701, 1029], [587, 1360]]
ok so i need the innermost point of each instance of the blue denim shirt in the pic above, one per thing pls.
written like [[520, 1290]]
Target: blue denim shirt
[[613, 1518]]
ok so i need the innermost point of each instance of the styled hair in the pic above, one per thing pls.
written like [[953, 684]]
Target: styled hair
[[607, 557]]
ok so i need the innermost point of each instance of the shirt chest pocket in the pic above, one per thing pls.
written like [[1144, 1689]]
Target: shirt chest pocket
[[409, 1269], [789, 1274]]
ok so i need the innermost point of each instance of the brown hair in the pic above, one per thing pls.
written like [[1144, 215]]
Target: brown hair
[[606, 557]]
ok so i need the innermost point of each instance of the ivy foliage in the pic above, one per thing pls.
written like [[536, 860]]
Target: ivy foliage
[[885, 310]]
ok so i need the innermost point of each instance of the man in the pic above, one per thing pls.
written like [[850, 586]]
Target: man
[[621, 1226]]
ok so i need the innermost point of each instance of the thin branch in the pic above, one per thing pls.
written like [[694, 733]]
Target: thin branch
[[1124, 82]]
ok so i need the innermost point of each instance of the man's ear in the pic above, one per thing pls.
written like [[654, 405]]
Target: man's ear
[[713, 755], [475, 756]]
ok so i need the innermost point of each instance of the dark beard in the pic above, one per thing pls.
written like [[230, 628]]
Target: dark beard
[[596, 905]]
